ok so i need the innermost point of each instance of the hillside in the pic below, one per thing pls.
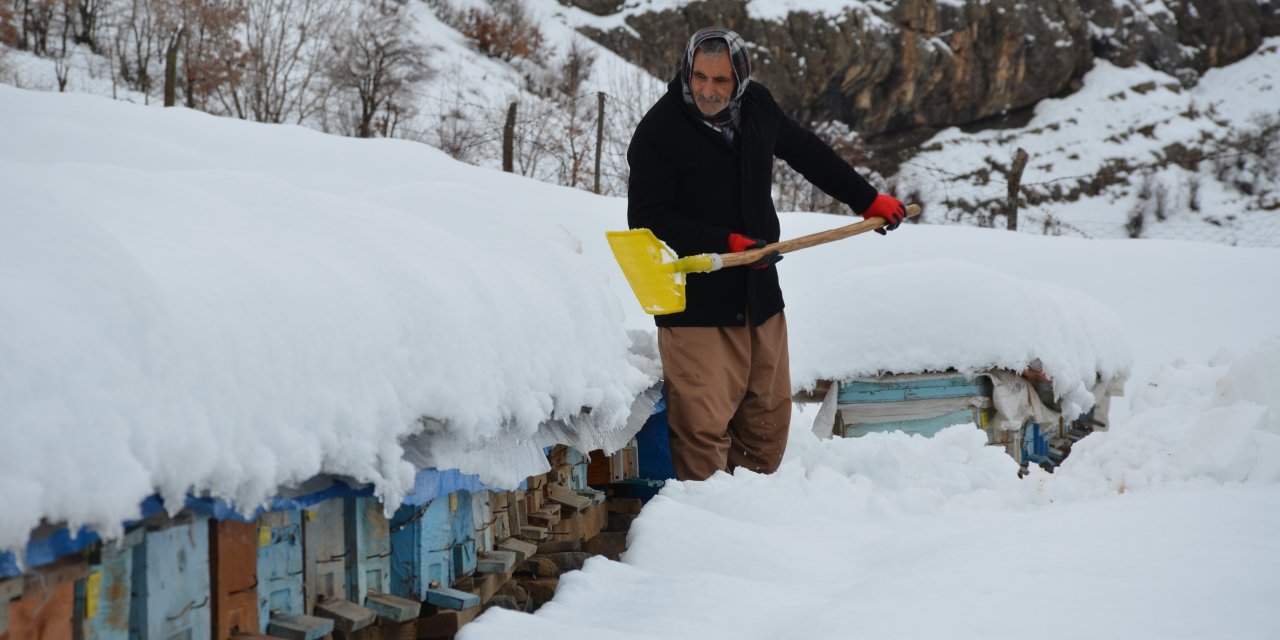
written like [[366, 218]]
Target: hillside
[[1183, 135]]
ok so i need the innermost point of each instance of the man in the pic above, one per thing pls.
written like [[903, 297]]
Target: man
[[701, 179]]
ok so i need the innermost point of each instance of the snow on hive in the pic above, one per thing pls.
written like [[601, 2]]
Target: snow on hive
[[195, 304], [941, 315]]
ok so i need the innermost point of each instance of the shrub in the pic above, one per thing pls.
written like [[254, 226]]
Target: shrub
[[8, 32], [504, 30]]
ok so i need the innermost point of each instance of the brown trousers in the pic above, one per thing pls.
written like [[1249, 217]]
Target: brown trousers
[[728, 397]]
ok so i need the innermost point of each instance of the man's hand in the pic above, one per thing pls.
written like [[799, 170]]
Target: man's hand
[[889, 208], [739, 243]]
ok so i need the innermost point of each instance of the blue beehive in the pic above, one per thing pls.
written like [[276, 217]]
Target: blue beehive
[[463, 533], [482, 520], [921, 404], [369, 548], [432, 545], [281, 605], [103, 598], [421, 549], [279, 565], [369, 562], [170, 579], [580, 463]]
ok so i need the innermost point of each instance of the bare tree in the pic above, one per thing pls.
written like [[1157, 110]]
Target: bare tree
[[378, 60], [288, 44], [37, 21], [135, 45], [89, 12]]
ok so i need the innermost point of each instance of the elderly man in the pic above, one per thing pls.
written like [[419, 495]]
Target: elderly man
[[701, 179]]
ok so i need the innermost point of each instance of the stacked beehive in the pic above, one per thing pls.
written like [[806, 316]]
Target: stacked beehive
[[332, 566]]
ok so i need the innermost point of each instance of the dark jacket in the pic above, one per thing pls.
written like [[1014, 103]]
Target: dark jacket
[[692, 188]]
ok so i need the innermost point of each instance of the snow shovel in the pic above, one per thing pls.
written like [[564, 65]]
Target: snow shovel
[[656, 274]]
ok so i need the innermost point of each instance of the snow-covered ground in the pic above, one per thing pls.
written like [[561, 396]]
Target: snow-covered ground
[[190, 303]]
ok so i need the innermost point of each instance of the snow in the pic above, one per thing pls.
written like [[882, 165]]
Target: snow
[[194, 304], [1166, 526], [1122, 117], [199, 304], [918, 312]]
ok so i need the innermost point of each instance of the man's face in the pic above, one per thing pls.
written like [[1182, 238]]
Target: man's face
[[712, 82]]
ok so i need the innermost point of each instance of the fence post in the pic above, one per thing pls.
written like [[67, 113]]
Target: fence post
[[599, 135], [1015, 180], [171, 68], [509, 140]]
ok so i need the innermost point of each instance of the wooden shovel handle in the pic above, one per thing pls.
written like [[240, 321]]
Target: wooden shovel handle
[[811, 240]]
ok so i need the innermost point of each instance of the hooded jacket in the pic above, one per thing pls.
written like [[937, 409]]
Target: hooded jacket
[[692, 187]]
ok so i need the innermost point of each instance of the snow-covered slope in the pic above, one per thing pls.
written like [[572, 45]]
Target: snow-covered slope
[[1132, 154]]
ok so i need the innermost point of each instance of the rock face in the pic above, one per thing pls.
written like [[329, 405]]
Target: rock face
[[923, 64]]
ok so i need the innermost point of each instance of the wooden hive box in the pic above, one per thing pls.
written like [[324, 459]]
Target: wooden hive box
[[368, 536], [11, 590], [104, 596], [233, 558], [580, 463], [329, 558], [432, 546], [325, 548], [281, 601], [41, 604], [279, 569], [421, 554], [463, 535], [171, 582], [620, 466], [369, 548], [482, 520], [921, 404]]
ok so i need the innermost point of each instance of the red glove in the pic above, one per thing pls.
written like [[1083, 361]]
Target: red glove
[[739, 243], [889, 208]]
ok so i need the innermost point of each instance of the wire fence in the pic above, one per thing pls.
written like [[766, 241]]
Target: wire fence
[[982, 195], [1257, 230]]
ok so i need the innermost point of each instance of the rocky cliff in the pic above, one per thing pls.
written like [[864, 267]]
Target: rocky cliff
[[899, 72]]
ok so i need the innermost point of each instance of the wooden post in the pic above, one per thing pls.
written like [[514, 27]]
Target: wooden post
[[171, 68], [508, 140], [599, 136], [1015, 180]]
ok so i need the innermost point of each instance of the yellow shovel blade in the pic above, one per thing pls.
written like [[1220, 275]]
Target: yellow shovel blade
[[654, 272], [647, 264]]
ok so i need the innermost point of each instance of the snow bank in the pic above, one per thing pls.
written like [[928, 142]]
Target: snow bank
[[1165, 526], [194, 304]]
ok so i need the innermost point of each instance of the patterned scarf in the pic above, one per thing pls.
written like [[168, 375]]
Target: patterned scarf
[[727, 119]]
